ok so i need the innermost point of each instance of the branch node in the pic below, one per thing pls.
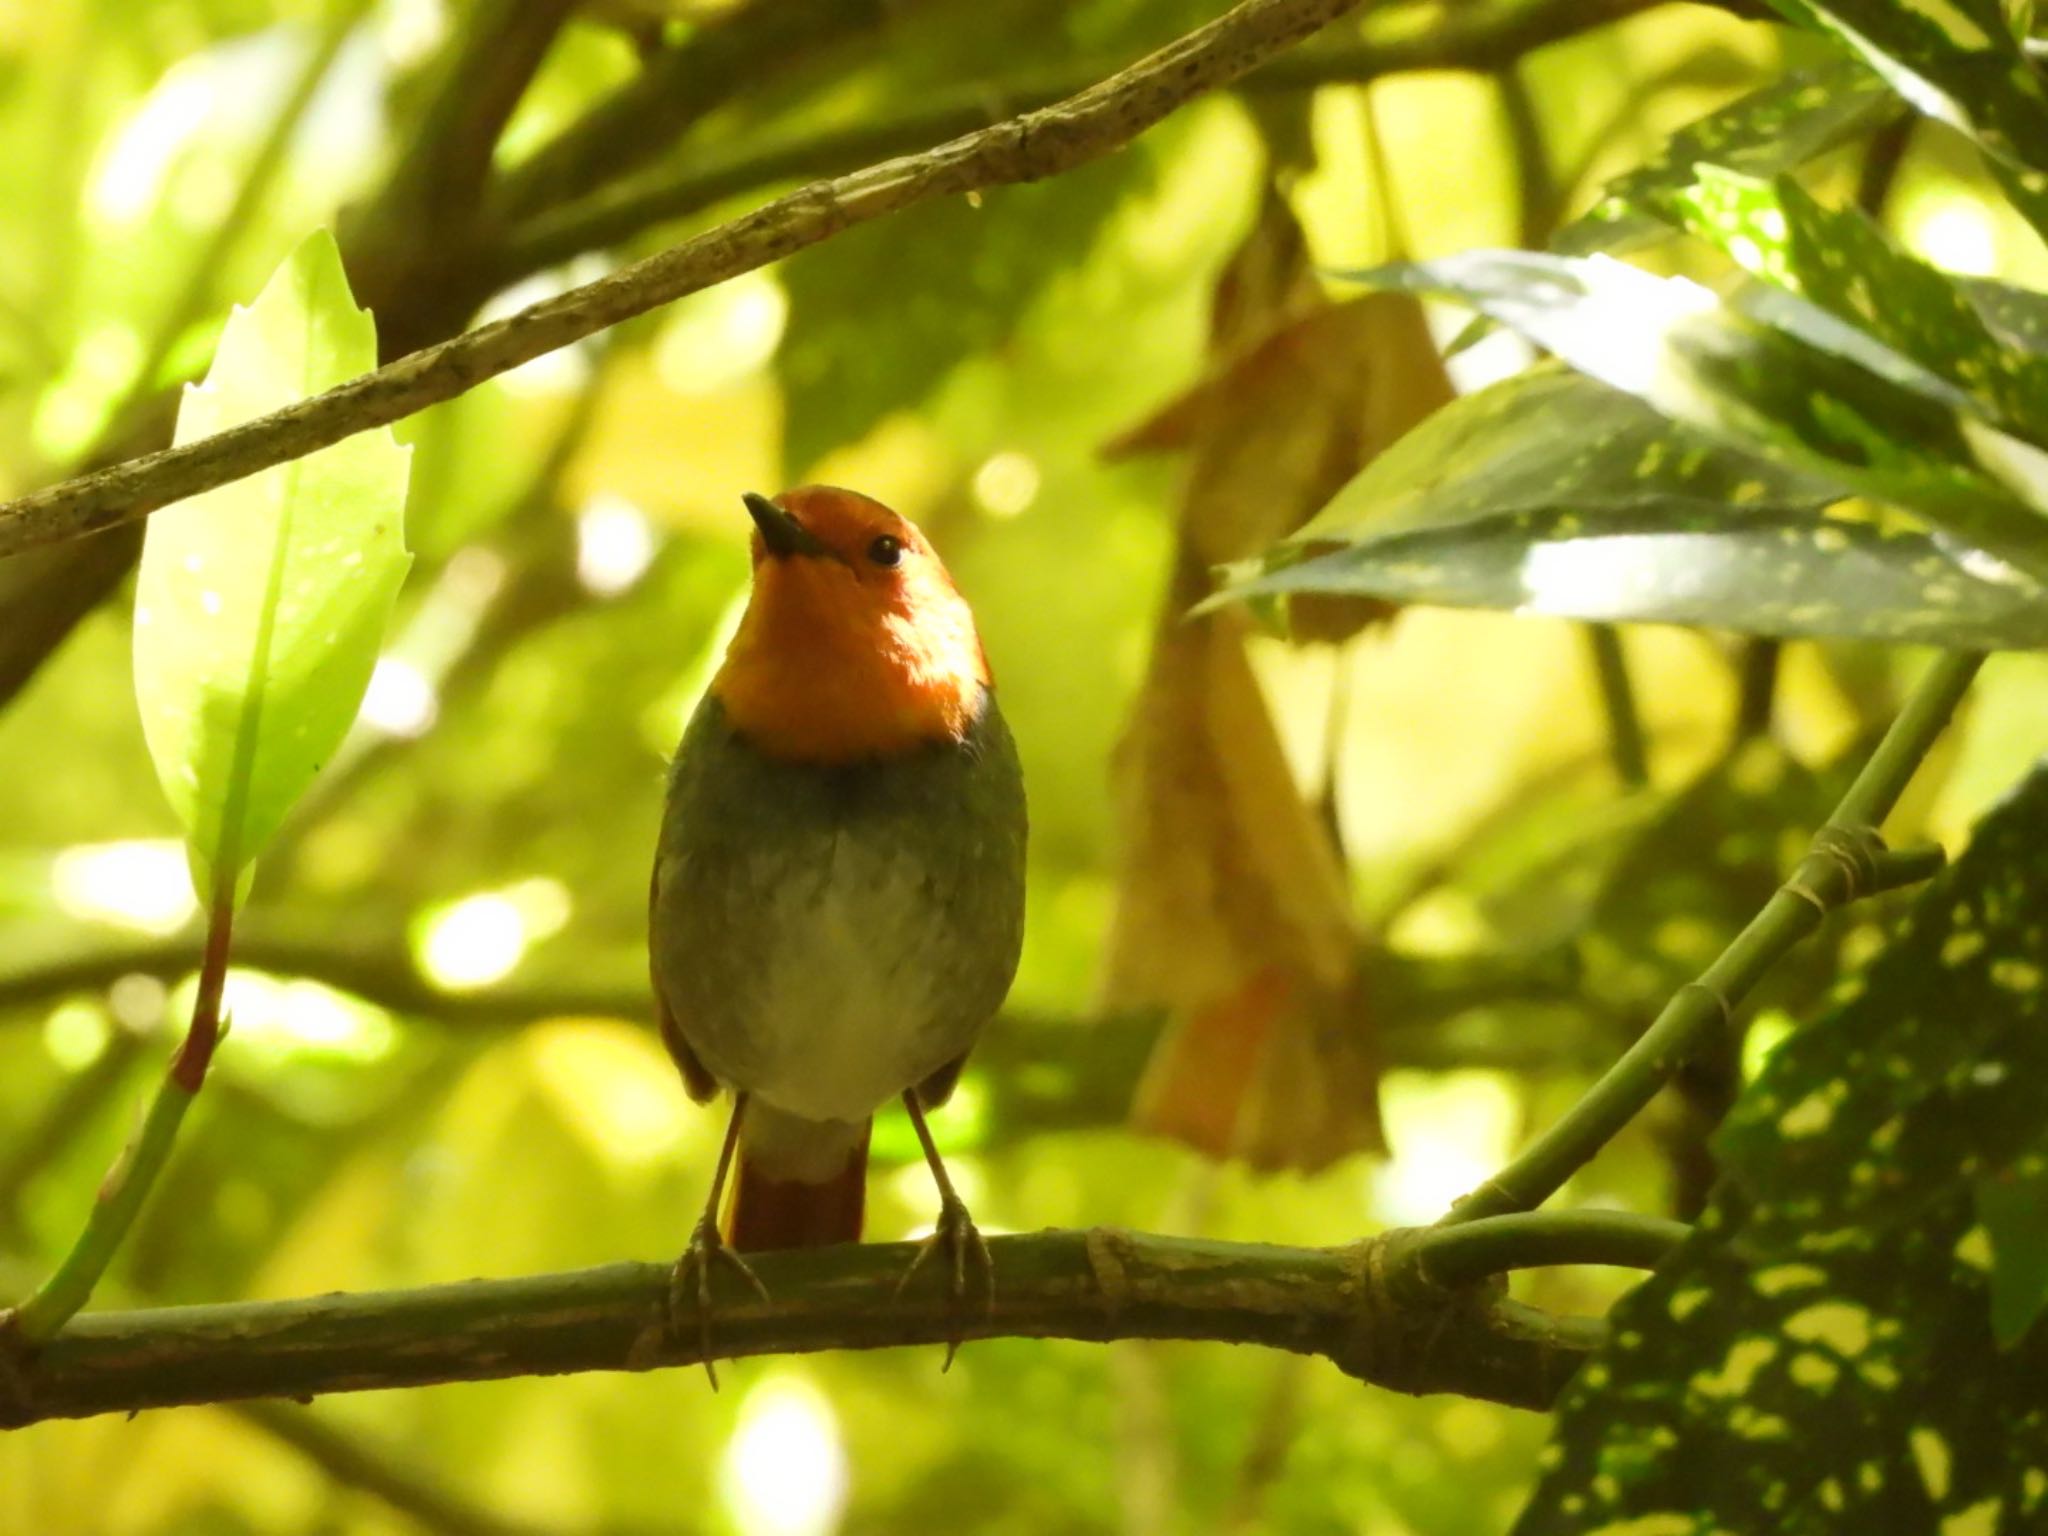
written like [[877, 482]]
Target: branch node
[[17, 1399], [1104, 1247], [1720, 1001], [1844, 864]]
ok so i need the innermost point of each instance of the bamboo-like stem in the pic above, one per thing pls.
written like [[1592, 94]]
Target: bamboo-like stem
[[127, 1185], [1477, 1250], [1826, 878], [1095, 1285]]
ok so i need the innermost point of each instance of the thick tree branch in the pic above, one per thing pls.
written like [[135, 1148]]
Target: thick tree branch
[[1037, 144], [1095, 1285]]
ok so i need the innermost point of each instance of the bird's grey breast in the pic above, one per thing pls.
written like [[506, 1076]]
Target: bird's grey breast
[[827, 936]]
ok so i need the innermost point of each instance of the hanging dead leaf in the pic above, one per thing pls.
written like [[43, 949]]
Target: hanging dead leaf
[[1233, 910]]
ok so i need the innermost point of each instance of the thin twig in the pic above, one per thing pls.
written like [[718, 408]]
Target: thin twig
[[121, 1194], [1096, 1286], [1704, 1005]]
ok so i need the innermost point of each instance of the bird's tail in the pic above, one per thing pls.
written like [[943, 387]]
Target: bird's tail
[[796, 1183]]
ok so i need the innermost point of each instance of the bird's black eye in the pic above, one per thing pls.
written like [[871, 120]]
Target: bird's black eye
[[886, 550]]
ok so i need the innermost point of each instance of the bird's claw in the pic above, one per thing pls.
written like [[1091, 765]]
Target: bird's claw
[[689, 1286], [956, 1233]]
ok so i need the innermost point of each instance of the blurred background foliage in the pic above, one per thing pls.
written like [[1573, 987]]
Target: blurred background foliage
[[441, 1064]]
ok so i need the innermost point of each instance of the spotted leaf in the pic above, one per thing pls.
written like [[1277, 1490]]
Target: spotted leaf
[[1955, 60], [1488, 504], [1850, 268], [1824, 1355], [1852, 413], [1780, 126]]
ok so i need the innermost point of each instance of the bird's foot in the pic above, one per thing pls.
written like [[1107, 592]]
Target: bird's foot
[[961, 1241], [689, 1286]]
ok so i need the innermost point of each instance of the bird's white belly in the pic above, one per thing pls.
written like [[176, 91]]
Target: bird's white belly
[[848, 1015]]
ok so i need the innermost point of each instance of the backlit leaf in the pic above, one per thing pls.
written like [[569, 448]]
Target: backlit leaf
[[1845, 264], [1775, 128], [1491, 504], [1852, 413], [260, 605]]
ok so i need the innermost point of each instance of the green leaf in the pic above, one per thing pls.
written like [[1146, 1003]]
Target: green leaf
[[1955, 60], [1551, 493], [260, 605], [1785, 124], [1821, 1355], [1851, 413], [2013, 1207], [1847, 266]]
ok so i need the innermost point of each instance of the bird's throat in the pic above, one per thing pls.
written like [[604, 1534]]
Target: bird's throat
[[817, 674]]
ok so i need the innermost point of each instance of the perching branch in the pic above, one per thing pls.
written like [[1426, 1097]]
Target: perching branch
[[1095, 1285], [1847, 861], [1026, 148]]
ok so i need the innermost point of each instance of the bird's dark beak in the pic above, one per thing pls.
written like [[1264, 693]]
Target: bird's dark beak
[[783, 534]]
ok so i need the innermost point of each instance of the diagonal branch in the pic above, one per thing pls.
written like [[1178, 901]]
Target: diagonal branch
[[1471, 38], [1095, 1285], [1037, 144]]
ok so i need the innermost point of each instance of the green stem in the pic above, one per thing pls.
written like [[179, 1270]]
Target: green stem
[[134, 1173], [1449, 1257], [1824, 879], [1625, 742]]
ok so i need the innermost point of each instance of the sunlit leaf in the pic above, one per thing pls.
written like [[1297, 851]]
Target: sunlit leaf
[[1853, 413], [1493, 503], [1775, 128], [1955, 60], [1821, 1355], [1849, 267], [260, 605]]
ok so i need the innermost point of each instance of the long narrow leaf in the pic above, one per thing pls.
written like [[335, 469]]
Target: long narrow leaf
[[260, 606], [1852, 413], [1488, 504]]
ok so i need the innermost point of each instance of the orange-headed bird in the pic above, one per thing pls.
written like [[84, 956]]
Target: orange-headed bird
[[838, 898]]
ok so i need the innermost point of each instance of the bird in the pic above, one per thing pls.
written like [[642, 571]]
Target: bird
[[837, 903]]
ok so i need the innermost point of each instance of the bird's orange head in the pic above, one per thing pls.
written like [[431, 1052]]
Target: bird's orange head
[[855, 643]]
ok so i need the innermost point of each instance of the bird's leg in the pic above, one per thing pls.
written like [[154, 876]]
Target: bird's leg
[[708, 1247], [955, 1233]]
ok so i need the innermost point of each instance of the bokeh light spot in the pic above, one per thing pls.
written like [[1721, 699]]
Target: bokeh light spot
[[784, 1470], [143, 884]]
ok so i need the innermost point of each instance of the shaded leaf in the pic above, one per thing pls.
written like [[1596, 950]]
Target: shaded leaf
[[1782, 125], [1820, 1356], [1854, 413], [1849, 267], [260, 606], [1955, 60], [1494, 503], [2013, 1207]]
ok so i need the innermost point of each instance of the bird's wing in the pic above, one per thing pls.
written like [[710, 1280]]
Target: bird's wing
[[938, 1087], [697, 1082]]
